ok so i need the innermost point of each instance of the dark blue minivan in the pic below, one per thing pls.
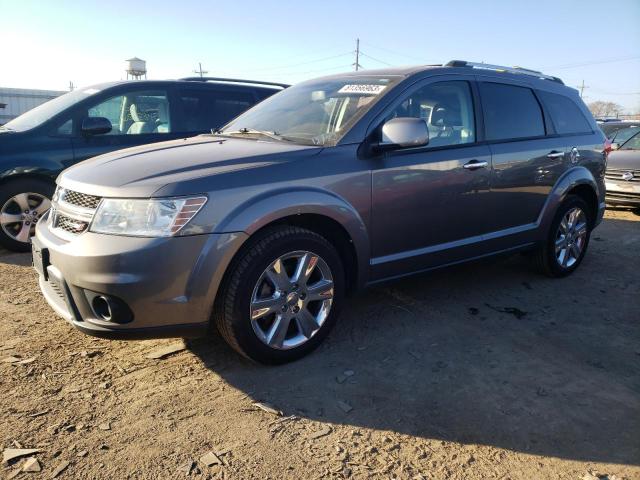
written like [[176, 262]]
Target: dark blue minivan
[[38, 145]]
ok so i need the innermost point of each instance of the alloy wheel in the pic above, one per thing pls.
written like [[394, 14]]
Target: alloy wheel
[[291, 300], [20, 213], [571, 237]]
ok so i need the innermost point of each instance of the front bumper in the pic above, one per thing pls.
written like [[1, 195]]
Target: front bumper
[[626, 193], [165, 286]]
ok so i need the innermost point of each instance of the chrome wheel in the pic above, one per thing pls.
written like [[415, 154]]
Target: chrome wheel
[[291, 300], [19, 215], [571, 237]]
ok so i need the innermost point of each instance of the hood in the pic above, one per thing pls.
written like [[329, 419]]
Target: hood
[[624, 160], [141, 171]]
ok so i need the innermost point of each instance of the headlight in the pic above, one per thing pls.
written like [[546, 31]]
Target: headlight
[[156, 217]]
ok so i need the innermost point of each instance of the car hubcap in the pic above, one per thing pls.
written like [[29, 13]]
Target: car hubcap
[[19, 215], [291, 300], [571, 237]]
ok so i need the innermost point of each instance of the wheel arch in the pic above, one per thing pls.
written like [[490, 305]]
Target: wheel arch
[[317, 210], [577, 181]]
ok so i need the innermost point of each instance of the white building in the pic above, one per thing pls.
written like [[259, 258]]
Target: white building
[[16, 101]]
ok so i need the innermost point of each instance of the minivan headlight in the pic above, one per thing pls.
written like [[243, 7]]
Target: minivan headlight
[[155, 217]]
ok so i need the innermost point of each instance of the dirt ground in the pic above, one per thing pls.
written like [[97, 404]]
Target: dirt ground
[[483, 371]]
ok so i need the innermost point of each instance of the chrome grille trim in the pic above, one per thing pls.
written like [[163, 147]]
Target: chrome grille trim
[[72, 212], [78, 199]]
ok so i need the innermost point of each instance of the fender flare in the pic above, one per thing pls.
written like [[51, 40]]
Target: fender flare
[[572, 178], [272, 206]]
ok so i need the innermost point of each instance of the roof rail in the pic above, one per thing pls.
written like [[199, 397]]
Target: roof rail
[[234, 80], [498, 68]]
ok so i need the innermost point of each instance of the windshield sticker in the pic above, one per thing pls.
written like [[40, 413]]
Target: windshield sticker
[[363, 89]]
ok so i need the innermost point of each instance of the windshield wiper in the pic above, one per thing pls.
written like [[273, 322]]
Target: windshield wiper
[[252, 131]]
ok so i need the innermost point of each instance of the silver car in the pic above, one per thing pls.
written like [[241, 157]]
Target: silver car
[[623, 171], [262, 228]]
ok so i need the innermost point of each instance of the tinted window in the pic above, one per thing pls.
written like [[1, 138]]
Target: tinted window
[[510, 112], [135, 113], [565, 114], [203, 110], [447, 109]]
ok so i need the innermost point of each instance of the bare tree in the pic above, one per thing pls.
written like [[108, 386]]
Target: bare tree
[[605, 109]]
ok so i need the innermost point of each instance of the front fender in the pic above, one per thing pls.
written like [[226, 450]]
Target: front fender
[[568, 181], [269, 207]]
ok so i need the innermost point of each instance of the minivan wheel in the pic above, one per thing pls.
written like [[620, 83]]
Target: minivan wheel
[[22, 203], [567, 240], [281, 295]]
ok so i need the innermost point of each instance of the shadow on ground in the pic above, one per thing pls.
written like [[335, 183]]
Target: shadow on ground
[[488, 353]]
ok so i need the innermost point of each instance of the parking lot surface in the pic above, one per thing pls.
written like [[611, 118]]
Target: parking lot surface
[[488, 370]]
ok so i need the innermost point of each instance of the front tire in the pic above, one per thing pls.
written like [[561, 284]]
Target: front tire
[[281, 295], [567, 240], [22, 203]]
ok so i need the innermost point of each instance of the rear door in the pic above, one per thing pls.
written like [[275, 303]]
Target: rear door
[[204, 108], [527, 158]]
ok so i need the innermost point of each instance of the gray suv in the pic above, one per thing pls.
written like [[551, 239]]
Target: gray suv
[[263, 227]]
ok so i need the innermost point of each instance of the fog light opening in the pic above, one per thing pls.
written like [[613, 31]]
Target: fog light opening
[[102, 308]]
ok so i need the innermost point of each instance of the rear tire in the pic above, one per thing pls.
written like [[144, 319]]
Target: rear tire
[[22, 203], [567, 240], [298, 277]]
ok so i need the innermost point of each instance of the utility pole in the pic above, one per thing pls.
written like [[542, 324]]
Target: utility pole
[[71, 86], [581, 88], [200, 71], [357, 64]]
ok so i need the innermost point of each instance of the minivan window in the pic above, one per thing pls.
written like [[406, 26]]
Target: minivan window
[[447, 109], [510, 112], [565, 114], [135, 113], [317, 112], [203, 110]]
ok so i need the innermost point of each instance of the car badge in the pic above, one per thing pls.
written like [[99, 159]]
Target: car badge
[[627, 176]]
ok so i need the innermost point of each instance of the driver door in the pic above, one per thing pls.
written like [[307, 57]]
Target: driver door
[[429, 203]]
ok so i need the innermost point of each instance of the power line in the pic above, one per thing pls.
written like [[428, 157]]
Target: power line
[[392, 52], [376, 59], [301, 63], [593, 62]]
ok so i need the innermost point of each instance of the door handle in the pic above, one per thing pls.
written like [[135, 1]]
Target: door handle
[[555, 154], [474, 165]]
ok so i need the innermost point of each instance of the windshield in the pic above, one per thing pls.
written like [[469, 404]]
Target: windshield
[[37, 116], [318, 112], [622, 136], [632, 144]]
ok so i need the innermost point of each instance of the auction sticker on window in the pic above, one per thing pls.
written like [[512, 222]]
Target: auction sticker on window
[[363, 89]]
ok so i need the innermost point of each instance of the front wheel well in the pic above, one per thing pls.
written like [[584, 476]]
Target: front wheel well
[[333, 232], [27, 176], [587, 193]]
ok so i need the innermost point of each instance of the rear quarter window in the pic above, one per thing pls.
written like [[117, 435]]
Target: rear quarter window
[[510, 112], [565, 114]]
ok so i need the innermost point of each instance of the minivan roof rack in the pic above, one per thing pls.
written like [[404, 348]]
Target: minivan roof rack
[[234, 80], [499, 68]]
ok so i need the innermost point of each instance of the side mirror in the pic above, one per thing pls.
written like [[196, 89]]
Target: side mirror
[[96, 126], [403, 132], [615, 146]]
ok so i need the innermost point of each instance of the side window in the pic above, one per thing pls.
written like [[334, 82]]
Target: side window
[[203, 110], [446, 107], [510, 112], [632, 144], [565, 114], [135, 113], [66, 128]]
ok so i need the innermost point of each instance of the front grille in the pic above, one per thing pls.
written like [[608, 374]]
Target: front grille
[[616, 174], [68, 224], [80, 199]]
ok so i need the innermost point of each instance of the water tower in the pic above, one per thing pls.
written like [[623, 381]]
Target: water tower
[[136, 68]]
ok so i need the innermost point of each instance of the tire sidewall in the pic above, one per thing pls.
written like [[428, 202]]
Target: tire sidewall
[[241, 323], [14, 187], [571, 202]]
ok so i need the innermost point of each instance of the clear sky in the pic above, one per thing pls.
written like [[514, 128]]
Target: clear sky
[[46, 44]]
